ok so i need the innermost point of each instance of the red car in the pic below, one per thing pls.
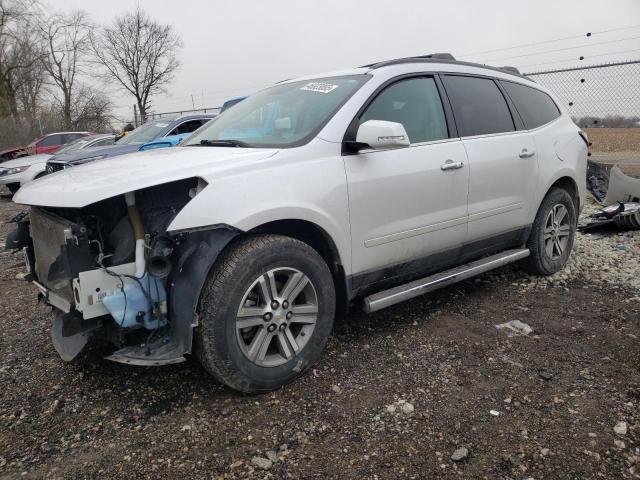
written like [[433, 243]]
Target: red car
[[11, 153], [53, 141]]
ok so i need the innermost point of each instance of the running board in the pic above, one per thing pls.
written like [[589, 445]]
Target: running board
[[398, 294]]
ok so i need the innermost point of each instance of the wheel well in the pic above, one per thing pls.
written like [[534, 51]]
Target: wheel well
[[318, 239], [569, 185]]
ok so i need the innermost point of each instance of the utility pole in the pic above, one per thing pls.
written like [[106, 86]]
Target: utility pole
[[193, 104], [135, 115]]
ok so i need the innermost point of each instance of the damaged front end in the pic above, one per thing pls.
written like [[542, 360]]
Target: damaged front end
[[112, 270]]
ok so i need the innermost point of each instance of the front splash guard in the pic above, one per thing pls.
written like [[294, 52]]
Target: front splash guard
[[70, 334], [197, 255], [153, 355]]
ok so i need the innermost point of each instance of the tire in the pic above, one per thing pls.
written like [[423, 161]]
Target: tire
[[13, 187], [550, 245], [239, 283]]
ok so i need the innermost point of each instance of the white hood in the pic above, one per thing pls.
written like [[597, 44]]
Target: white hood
[[79, 186], [28, 160]]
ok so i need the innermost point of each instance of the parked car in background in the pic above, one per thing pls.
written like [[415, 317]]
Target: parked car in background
[[231, 102], [11, 153], [90, 141], [148, 132], [17, 172], [164, 142], [53, 142]]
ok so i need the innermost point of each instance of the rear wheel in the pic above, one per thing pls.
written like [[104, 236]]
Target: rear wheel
[[552, 234], [266, 313]]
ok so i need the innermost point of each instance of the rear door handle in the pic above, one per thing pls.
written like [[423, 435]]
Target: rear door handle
[[451, 165], [527, 153]]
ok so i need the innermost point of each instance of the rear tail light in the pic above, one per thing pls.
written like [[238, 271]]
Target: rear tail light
[[584, 137]]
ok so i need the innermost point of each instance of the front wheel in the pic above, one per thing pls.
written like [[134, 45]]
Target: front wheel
[[266, 313], [552, 234]]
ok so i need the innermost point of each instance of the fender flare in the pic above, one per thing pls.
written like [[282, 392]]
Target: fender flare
[[549, 182]]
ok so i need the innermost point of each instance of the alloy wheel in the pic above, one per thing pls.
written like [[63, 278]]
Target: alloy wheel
[[277, 316], [557, 231]]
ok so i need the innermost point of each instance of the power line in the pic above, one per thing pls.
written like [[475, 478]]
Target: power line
[[588, 34], [588, 57], [562, 49]]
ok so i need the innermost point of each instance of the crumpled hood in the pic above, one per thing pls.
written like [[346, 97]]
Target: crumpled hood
[[28, 160], [95, 181], [104, 151]]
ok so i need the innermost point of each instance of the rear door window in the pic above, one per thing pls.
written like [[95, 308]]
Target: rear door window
[[188, 127], [50, 141], [478, 106], [70, 137], [416, 104], [534, 106]]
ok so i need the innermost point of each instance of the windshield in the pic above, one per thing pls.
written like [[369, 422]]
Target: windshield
[[284, 115], [146, 132]]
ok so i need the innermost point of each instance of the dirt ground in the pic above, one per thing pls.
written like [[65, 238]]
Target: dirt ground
[[394, 395]]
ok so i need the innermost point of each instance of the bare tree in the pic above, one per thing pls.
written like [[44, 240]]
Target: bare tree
[[139, 54], [30, 81], [91, 110], [67, 42], [19, 52]]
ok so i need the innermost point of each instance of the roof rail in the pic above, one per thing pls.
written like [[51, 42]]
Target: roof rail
[[445, 58], [510, 69], [441, 56], [434, 56]]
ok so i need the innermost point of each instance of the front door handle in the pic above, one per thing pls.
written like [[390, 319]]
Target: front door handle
[[527, 153], [451, 165]]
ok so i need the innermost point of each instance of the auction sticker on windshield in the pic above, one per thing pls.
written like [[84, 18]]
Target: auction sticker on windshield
[[319, 87]]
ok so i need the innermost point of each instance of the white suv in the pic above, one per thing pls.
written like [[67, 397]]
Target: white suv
[[378, 184]]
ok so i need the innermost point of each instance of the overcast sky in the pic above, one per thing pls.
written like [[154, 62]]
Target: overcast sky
[[233, 47]]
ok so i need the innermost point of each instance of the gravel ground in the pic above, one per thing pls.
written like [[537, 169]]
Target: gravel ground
[[426, 389]]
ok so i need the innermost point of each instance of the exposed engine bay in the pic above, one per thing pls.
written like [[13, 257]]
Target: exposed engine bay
[[107, 269]]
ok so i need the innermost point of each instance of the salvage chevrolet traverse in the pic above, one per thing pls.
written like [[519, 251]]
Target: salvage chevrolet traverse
[[371, 186]]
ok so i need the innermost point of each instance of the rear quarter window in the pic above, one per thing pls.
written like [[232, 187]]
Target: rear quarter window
[[478, 106], [535, 107]]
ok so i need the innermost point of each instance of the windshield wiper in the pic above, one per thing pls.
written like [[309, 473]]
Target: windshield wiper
[[224, 143]]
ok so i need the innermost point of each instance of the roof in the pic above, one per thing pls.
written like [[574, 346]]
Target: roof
[[433, 59], [101, 135], [175, 116], [63, 133]]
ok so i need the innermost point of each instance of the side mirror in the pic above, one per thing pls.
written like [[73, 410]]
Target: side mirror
[[381, 135], [154, 145]]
